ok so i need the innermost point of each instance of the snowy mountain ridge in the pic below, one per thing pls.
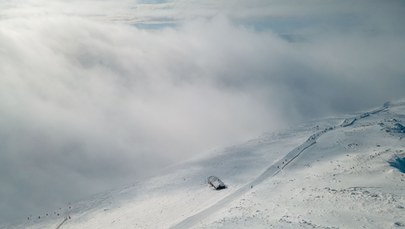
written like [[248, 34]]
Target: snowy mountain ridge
[[340, 173]]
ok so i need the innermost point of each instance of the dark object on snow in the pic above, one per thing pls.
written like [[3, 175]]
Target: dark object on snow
[[216, 183], [398, 162], [395, 128]]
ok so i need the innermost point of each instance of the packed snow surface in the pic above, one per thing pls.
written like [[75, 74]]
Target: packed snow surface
[[345, 172]]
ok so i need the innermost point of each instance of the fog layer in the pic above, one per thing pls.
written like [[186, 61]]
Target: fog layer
[[89, 101]]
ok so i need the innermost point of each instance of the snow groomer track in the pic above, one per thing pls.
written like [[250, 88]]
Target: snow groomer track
[[272, 170]]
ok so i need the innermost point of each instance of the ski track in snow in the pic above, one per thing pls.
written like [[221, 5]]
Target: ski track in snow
[[61, 224], [271, 171]]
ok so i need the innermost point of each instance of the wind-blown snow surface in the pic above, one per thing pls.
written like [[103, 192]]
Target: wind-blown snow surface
[[335, 173]]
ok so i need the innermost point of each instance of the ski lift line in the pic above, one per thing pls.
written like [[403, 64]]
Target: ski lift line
[[271, 171]]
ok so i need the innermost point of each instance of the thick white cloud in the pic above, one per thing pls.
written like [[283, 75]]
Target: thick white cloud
[[87, 103]]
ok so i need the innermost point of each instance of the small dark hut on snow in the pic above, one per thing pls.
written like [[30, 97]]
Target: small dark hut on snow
[[216, 183]]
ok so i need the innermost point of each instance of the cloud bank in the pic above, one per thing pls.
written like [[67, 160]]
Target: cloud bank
[[89, 101]]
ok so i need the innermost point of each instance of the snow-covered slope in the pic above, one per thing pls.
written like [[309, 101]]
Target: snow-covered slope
[[343, 172]]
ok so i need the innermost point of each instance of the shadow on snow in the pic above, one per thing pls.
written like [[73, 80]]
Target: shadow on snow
[[398, 162]]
